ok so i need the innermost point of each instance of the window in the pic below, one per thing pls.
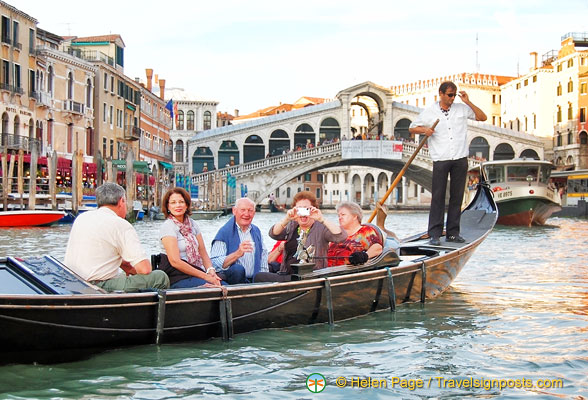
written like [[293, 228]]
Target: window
[[50, 132], [570, 63], [518, 85], [179, 151], [493, 99], [534, 121], [5, 29], [558, 113], [31, 82], [15, 37], [288, 192], [70, 86], [570, 137], [583, 114], [17, 83], [559, 89], [112, 84], [31, 41], [70, 138], [526, 82], [104, 112], [110, 115], [5, 73], [307, 177], [583, 88], [207, 120], [570, 112], [319, 177], [180, 126], [318, 193], [559, 68], [190, 120], [424, 101], [111, 147], [570, 86], [89, 94], [105, 81], [104, 142], [534, 78]]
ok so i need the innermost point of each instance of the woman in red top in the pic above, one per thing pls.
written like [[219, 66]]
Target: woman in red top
[[362, 243]]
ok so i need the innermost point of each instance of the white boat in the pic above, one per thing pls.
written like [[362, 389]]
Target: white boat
[[522, 190]]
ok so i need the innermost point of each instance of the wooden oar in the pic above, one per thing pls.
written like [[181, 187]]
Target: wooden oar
[[401, 173]]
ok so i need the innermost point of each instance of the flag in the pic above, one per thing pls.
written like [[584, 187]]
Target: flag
[[170, 106], [175, 114]]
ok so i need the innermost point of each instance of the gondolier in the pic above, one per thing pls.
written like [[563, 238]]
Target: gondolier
[[448, 147]]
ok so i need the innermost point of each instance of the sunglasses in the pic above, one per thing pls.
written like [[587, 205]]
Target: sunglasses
[[451, 94]]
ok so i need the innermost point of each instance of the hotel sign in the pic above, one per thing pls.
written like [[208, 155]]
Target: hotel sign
[[388, 149]]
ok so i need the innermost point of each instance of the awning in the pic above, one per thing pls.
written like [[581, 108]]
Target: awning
[[89, 168], [166, 165], [139, 166]]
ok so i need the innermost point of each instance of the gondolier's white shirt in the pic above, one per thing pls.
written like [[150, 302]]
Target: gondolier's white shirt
[[98, 242], [450, 139]]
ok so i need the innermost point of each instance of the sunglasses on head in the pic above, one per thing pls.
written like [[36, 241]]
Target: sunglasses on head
[[451, 94]]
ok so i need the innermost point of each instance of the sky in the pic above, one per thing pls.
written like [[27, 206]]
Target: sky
[[249, 55]]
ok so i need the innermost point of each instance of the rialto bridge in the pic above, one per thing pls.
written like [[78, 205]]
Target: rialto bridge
[[269, 152]]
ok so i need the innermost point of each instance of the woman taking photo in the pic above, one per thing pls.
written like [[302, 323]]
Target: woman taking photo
[[184, 257], [363, 242], [303, 226]]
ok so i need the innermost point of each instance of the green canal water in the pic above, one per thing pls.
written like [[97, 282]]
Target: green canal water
[[516, 316]]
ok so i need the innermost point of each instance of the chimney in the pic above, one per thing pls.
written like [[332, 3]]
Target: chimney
[[533, 55], [162, 89], [236, 112], [149, 73]]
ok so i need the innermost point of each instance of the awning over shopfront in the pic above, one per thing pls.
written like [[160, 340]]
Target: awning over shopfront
[[141, 167], [166, 165]]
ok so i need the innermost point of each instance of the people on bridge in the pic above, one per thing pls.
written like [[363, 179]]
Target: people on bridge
[[448, 147], [362, 243], [102, 242], [305, 230], [183, 254], [238, 251]]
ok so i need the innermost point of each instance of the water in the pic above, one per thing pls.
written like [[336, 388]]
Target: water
[[518, 310]]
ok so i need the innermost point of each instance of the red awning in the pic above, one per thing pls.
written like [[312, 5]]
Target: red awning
[[89, 168], [27, 159], [151, 180]]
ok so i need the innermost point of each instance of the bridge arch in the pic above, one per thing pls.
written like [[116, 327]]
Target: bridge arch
[[329, 131], [480, 148], [401, 129], [503, 151], [228, 153], [303, 135], [253, 149], [529, 153], [202, 160], [279, 142]]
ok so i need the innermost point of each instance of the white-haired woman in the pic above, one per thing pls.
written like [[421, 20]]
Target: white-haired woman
[[362, 243]]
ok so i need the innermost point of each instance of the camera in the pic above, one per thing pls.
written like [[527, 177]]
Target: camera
[[303, 211]]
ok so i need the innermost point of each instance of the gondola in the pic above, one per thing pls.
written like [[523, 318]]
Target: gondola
[[50, 315]]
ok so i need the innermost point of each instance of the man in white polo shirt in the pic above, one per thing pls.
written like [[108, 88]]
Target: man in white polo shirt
[[101, 242], [448, 147]]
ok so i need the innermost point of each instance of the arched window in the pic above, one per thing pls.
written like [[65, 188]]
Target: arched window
[[179, 151], [180, 126], [207, 120], [4, 123], [570, 86], [570, 112], [70, 86], [89, 94], [16, 125], [50, 80], [190, 120], [558, 113]]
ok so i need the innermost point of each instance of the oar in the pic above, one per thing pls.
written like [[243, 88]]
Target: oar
[[401, 173]]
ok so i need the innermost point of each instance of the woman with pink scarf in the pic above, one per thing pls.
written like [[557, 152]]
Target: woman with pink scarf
[[183, 256]]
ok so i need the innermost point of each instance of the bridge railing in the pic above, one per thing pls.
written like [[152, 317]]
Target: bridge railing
[[269, 162]]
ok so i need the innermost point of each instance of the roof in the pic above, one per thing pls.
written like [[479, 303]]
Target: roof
[[179, 94], [99, 39]]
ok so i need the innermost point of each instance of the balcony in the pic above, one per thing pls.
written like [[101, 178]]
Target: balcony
[[91, 55], [17, 142], [132, 132], [17, 46], [73, 107], [43, 98]]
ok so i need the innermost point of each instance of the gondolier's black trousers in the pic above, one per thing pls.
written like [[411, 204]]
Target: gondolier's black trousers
[[457, 170]]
